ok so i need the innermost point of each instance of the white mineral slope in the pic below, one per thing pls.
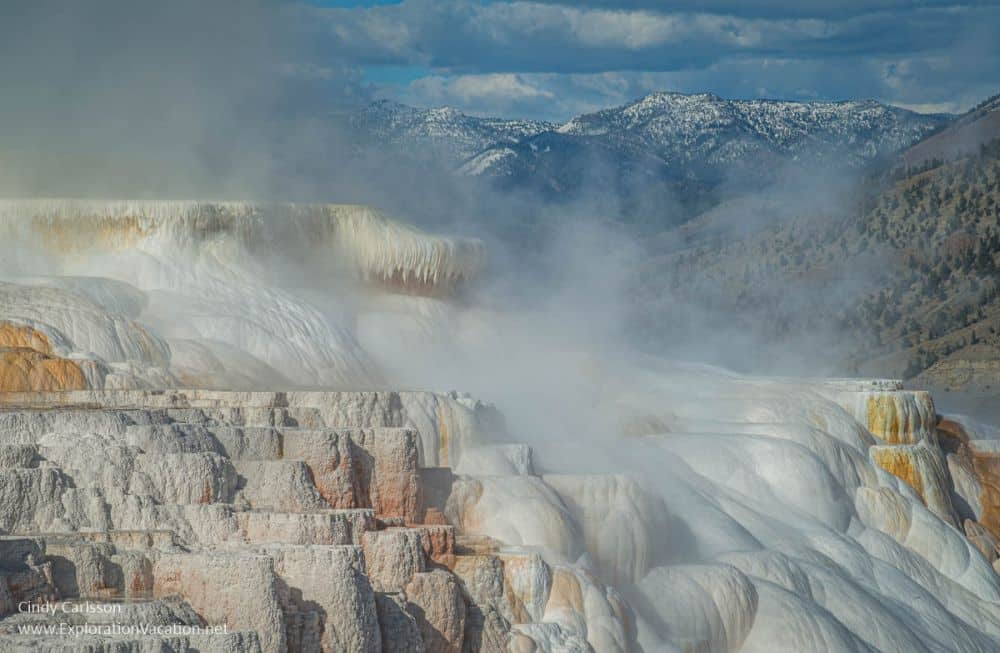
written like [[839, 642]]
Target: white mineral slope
[[784, 492], [74, 323], [758, 521], [661, 507], [361, 238], [243, 292]]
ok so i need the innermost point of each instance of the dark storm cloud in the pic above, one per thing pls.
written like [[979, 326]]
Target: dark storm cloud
[[462, 35], [771, 8], [926, 54]]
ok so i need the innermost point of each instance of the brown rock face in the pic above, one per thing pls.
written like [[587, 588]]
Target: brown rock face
[[438, 542], [437, 605], [985, 465], [392, 557], [331, 457], [239, 591], [951, 433], [364, 468], [390, 472]]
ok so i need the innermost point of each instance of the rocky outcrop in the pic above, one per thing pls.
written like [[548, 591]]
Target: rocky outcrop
[[239, 591], [669, 506], [392, 557], [293, 521], [311, 521], [439, 610]]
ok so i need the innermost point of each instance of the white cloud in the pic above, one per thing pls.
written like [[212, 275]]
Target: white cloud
[[515, 87], [467, 36], [934, 107], [927, 86], [549, 96], [489, 94], [556, 59]]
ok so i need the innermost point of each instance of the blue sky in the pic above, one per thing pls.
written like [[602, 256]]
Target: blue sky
[[553, 59]]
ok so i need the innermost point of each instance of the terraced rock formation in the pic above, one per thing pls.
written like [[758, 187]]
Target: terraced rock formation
[[326, 521], [292, 521], [633, 503]]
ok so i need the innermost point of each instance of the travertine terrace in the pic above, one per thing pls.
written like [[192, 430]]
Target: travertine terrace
[[202, 448], [298, 521], [308, 521]]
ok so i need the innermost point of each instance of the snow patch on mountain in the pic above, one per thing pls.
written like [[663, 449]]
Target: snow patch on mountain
[[444, 129], [691, 136]]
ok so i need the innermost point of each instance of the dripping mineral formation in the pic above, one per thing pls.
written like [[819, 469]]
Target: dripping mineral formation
[[199, 434], [84, 281]]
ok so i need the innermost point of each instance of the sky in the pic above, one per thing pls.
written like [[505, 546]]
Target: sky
[[553, 59], [247, 97]]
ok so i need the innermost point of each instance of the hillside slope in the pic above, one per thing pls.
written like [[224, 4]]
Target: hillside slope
[[962, 138], [904, 281]]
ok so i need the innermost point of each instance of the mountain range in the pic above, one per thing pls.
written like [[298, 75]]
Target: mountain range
[[693, 141], [896, 264]]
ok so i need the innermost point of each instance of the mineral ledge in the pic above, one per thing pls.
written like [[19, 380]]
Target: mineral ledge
[[759, 515]]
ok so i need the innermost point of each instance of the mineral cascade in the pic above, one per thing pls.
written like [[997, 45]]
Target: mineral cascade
[[201, 450]]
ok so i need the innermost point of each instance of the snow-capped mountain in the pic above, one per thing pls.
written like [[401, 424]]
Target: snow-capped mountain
[[443, 129], [701, 139], [708, 128]]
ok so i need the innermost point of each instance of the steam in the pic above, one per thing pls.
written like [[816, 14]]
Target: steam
[[559, 312], [177, 99], [689, 308], [235, 99], [239, 100]]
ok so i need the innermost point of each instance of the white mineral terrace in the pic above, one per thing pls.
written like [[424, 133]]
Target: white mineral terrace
[[200, 427], [225, 294], [377, 247], [385, 521]]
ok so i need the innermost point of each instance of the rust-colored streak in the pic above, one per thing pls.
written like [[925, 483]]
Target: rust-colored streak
[[900, 464], [444, 439], [206, 494], [16, 336], [138, 585], [884, 421], [64, 235], [566, 592], [28, 370], [987, 466]]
